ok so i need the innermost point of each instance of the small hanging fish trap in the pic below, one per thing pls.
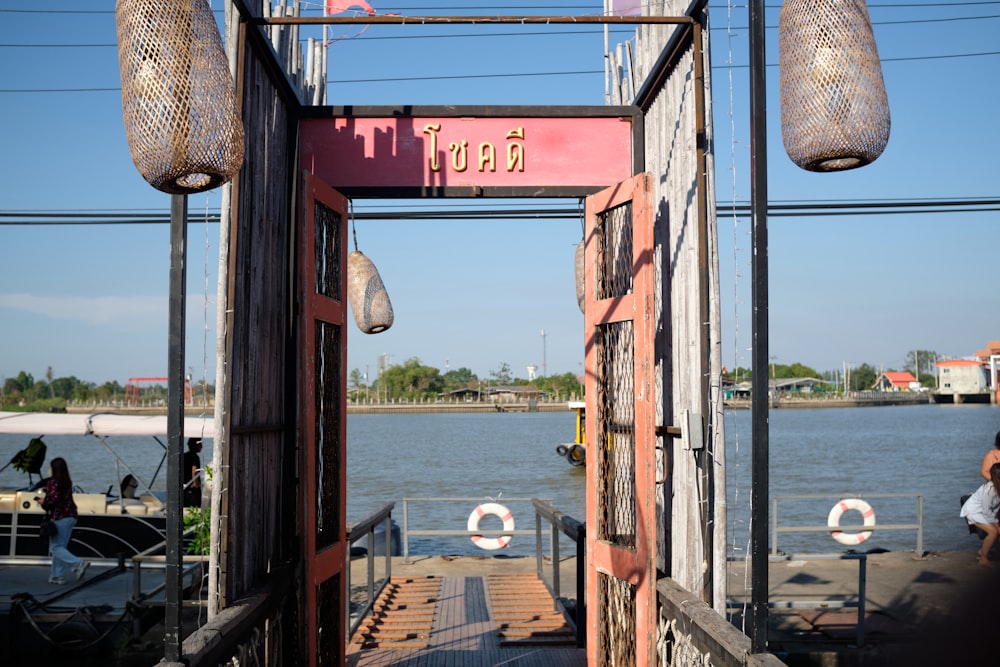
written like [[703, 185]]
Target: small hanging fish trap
[[178, 98], [834, 109], [369, 301], [580, 266]]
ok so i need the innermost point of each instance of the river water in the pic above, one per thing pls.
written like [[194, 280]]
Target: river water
[[933, 450]]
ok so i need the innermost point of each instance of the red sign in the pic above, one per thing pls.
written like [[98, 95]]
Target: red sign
[[464, 152]]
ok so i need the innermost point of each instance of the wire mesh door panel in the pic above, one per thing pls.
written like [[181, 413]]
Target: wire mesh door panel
[[323, 299], [621, 535]]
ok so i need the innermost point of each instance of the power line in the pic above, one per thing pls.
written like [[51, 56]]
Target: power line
[[463, 211]]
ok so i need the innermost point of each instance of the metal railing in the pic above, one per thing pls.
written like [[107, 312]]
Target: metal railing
[[407, 531], [576, 531], [918, 526], [193, 565], [355, 532]]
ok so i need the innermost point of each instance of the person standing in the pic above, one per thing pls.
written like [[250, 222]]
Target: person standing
[[991, 457], [980, 510], [58, 502], [192, 477]]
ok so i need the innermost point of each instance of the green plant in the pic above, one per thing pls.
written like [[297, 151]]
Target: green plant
[[198, 521]]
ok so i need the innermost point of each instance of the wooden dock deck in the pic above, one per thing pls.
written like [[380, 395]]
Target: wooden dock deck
[[465, 621]]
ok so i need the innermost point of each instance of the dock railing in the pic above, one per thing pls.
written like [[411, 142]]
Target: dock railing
[[366, 527], [576, 531], [687, 625], [408, 531], [918, 526]]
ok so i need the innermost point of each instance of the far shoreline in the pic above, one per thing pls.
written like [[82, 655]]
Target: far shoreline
[[529, 406]]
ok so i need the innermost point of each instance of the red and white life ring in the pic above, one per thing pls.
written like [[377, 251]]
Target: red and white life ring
[[847, 504], [496, 509]]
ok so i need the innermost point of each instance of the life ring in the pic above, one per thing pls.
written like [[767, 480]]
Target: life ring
[[833, 521], [496, 509]]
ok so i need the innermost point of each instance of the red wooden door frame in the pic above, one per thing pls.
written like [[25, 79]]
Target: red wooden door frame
[[323, 308], [623, 564]]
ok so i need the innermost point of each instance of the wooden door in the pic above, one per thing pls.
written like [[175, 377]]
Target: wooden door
[[621, 506], [322, 270]]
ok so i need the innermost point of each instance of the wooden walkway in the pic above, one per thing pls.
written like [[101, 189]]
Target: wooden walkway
[[434, 621]]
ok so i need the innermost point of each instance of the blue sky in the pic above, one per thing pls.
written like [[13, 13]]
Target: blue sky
[[91, 300]]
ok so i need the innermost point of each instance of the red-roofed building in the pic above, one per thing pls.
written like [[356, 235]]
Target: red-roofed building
[[992, 350], [897, 381]]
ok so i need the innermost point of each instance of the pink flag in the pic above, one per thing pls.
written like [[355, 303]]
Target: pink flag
[[340, 6], [626, 7]]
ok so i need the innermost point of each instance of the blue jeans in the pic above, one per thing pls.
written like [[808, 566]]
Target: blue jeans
[[61, 557]]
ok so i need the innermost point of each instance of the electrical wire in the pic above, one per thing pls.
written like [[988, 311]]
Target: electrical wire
[[462, 211]]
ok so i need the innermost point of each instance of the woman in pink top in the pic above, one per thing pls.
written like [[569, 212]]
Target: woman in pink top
[[992, 456]]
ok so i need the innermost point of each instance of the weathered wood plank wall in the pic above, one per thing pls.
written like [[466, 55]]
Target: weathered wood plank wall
[[258, 334], [678, 134]]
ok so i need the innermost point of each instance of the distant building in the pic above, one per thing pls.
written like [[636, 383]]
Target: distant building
[[961, 376], [991, 361], [795, 385], [897, 381]]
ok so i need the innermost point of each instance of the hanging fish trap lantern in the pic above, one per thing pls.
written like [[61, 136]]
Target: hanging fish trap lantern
[[178, 98], [370, 303], [579, 266], [834, 108]]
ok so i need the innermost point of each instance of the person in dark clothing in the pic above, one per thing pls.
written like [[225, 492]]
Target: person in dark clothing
[[58, 502], [192, 477]]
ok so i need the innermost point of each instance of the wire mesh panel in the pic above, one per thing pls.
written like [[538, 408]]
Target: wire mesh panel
[[614, 271], [617, 638], [616, 433], [328, 461], [327, 233], [330, 625]]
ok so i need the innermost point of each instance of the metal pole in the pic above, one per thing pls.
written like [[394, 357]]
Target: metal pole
[[759, 364], [172, 637]]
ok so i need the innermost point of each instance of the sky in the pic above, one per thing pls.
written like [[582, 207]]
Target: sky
[[90, 301]]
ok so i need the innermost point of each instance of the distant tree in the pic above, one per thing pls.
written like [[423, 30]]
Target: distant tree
[[110, 392], [68, 388], [355, 379], [501, 375], [560, 387], [863, 377], [803, 371], [410, 380], [921, 362], [22, 384], [48, 378], [458, 379], [738, 374]]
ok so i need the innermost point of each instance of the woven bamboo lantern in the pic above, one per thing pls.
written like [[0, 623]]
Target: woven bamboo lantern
[[834, 109], [580, 269], [369, 301], [178, 99]]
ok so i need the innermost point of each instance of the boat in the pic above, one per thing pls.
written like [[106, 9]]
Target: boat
[[125, 520], [576, 452]]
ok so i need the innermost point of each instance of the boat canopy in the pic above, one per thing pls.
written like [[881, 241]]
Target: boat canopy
[[100, 424]]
